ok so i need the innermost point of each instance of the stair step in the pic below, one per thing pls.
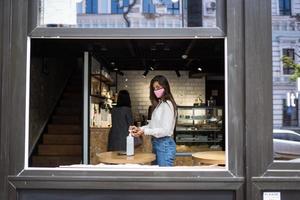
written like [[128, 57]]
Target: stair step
[[59, 150], [64, 128], [74, 89], [66, 119], [55, 161], [62, 139], [75, 83], [73, 110], [70, 103], [72, 94]]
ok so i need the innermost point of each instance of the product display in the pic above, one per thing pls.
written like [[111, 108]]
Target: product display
[[200, 125], [100, 96]]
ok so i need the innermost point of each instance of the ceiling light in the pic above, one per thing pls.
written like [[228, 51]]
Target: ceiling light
[[116, 69], [199, 69], [184, 56], [126, 79], [175, 1], [151, 68]]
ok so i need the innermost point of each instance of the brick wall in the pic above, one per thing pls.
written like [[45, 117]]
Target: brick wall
[[184, 90]]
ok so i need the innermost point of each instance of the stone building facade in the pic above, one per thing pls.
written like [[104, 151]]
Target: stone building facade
[[285, 42]]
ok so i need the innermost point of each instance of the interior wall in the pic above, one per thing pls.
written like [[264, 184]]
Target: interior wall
[[47, 79], [184, 89]]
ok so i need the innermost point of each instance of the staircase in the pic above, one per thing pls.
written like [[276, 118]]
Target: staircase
[[61, 143]]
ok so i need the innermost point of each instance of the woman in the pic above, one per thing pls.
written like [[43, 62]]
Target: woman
[[121, 120], [162, 122]]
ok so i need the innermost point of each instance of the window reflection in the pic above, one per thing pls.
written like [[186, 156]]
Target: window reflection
[[130, 13], [286, 50]]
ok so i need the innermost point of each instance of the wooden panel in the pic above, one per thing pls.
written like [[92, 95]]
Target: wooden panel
[[13, 92], [3, 61], [258, 59], [258, 79], [236, 86], [132, 195]]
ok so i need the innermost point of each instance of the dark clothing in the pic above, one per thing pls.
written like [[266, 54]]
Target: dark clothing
[[121, 120]]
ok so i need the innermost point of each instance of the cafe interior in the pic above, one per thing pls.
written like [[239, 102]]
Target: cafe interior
[[74, 85]]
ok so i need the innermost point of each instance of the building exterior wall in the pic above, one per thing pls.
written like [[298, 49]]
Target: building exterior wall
[[161, 18], [286, 34]]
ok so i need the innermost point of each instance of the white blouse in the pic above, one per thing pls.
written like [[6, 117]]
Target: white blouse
[[162, 121]]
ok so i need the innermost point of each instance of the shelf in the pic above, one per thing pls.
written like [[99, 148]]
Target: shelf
[[97, 99], [102, 78], [199, 124], [97, 96]]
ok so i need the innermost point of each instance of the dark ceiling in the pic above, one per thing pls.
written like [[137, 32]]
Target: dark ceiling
[[141, 54]]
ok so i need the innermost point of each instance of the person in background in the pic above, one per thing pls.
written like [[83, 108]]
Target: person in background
[[162, 122], [121, 120]]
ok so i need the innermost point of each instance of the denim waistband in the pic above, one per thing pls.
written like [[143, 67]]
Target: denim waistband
[[162, 138]]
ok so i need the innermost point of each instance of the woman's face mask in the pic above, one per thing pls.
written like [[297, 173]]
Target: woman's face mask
[[159, 93]]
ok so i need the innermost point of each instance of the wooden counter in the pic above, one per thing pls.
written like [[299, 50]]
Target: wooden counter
[[210, 157], [113, 157]]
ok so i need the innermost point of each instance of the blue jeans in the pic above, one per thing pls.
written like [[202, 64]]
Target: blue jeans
[[165, 150]]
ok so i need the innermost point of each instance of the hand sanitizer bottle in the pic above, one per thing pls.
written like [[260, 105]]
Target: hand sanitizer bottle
[[129, 145]]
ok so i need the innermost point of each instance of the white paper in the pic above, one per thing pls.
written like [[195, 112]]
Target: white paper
[[60, 12], [272, 196]]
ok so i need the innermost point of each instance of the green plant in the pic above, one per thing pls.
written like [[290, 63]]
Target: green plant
[[289, 62]]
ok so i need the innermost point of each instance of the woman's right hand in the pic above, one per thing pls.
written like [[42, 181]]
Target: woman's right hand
[[135, 131], [132, 129]]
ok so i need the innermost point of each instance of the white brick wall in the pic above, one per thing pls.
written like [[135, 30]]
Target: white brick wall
[[184, 90]]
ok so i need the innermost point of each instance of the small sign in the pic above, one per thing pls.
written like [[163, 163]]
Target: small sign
[[272, 196]]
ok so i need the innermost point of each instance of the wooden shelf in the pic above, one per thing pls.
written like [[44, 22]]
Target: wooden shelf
[[102, 78], [97, 99], [97, 96]]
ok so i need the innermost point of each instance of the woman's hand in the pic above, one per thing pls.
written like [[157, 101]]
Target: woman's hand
[[135, 131]]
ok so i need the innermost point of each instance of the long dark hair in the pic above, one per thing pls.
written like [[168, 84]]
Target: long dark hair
[[167, 94], [123, 99]]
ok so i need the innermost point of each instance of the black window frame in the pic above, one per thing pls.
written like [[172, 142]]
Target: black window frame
[[285, 7], [91, 10], [289, 52]]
